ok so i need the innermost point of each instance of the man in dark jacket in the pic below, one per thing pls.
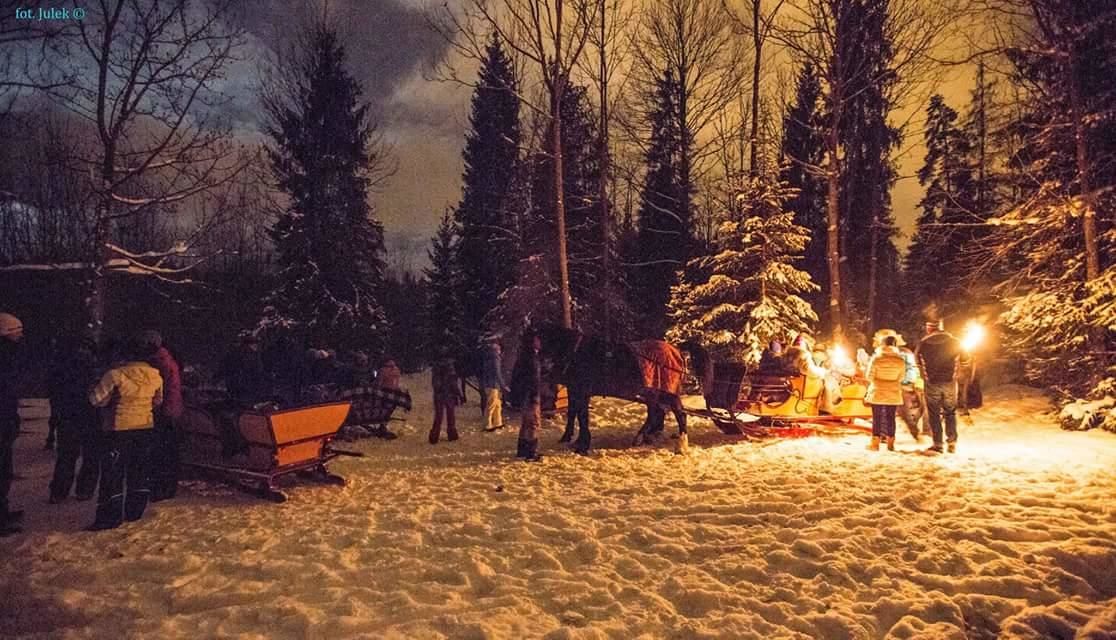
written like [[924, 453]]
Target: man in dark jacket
[[72, 373], [11, 333], [526, 383], [937, 358]]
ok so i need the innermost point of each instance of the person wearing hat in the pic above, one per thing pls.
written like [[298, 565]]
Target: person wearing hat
[[937, 355], [133, 389], [164, 455], [885, 392], [492, 381], [11, 333], [72, 372]]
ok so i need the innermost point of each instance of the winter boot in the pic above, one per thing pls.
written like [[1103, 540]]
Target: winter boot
[[891, 444], [451, 435], [434, 435], [530, 450], [951, 447], [521, 448], [683, 446], [874, 445]]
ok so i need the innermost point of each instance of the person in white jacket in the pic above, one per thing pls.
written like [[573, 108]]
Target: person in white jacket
[[885, 391], [133, 389]]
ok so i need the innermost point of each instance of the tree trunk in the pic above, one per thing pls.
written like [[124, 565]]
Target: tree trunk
[[560, 200], [757, 43], [602, 186], [832, 207], [873, 272], [982, 134], [1085, 191]]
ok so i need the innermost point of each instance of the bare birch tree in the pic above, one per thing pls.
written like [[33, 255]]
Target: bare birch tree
[[151, 95], [693, 40]]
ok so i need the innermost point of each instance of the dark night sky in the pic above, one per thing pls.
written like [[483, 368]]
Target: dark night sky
[[390, 47]]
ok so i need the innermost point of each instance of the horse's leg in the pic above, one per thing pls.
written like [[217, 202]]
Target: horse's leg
[[641, 436], [571, 410], [584, 438], [680, 417]]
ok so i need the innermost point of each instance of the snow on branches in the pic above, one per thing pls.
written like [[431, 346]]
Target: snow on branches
[[746, 294]]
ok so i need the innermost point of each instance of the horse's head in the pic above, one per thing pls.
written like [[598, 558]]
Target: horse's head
[[700, 361]]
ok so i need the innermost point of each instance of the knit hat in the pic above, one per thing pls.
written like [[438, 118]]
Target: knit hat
[[10, 325]]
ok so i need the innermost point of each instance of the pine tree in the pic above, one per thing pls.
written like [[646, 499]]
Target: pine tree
[[444, 308], [488, 248], [867, 226], [581, 170], [329, 246], [663, 227], [803, 152], [935, 270], [1054, 240], [748, 292]]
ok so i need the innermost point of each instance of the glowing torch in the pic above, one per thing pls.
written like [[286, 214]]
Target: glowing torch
[[839, 358], [973, 336]]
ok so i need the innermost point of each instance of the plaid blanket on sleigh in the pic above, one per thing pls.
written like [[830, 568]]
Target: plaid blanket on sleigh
[[374, 405]]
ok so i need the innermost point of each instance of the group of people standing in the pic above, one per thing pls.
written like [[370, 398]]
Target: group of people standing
[[525, 393], [116, 417], [932, 381]]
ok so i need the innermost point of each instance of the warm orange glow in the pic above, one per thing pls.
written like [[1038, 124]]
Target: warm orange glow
[[973, 335]]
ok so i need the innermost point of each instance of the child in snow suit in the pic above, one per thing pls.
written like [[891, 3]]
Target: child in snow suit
[[447, 395], [885, 391], [133, 389]]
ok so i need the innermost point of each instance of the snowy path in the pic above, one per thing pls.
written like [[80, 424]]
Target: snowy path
[[1014, 537]]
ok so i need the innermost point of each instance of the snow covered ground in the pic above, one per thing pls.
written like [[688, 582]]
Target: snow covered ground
[[1013, 537]]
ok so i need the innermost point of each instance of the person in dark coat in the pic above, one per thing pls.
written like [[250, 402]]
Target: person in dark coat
[[966, 373], [164, 455], [243, 371], [492, 381], [771, 360], [247, 384], [938, 354], [285, 364], [11, 333], [526, 393], [447, 395], [72, 373]]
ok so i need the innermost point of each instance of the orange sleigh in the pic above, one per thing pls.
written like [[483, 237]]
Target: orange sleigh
[[278, 443]]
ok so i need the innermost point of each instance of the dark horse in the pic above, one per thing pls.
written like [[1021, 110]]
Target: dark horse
[[592, 366]]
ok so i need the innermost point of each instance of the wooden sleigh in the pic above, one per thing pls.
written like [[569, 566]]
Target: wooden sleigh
[[790, 407], [278, 443]]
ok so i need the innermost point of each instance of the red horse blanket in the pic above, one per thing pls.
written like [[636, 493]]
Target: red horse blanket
[[661, 364]]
